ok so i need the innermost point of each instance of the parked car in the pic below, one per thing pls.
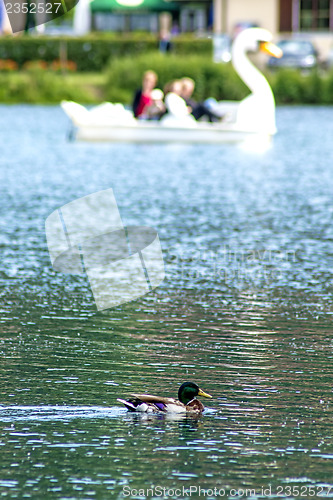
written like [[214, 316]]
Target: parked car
[[299, 54]]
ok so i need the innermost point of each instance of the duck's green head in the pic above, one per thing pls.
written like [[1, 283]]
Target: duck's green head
[[189, 391]]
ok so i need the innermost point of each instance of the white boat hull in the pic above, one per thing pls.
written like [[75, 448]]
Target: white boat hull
[[154, 133]]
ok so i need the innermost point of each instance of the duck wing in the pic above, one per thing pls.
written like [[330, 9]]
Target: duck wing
[[151, 404], [148, 398], [161, 403], [137, 405]]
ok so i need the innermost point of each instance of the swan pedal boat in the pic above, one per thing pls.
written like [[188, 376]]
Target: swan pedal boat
[[252, 117]]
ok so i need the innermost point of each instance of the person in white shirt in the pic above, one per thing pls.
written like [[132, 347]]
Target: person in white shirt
[[177, 110]]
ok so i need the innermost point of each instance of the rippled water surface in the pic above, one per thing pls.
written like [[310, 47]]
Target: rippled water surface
[[245, 311]]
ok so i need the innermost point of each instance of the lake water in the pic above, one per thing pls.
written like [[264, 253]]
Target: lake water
[[245, 311]]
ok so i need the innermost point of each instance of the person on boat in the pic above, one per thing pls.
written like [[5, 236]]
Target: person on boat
[[174, 102], [177, 111], [157, 109], [198, 109], [143, 99]]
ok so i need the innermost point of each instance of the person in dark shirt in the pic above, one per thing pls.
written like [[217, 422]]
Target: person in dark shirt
[[142, 98], [199, 109]]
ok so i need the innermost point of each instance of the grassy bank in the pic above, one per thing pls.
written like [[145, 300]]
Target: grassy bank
[[43, 87], [41, 84]]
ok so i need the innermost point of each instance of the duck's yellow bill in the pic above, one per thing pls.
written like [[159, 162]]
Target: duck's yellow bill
[[204, 394], [271, 49]]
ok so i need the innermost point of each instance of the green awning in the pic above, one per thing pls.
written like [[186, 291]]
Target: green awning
[[129, 6]]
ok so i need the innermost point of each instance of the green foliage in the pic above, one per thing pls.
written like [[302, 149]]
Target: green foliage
[[287, 86], [123, 76], [125, 57], [93, 52], [41, 87], [328, 89], [218, 80], [313, 88], [293, 87]]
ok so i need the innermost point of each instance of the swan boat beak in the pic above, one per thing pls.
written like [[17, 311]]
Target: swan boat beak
[[204, 394], [271, 49]]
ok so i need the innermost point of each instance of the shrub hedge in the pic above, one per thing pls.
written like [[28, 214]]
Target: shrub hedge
[[292, 87], [93, 52], [123, 75]]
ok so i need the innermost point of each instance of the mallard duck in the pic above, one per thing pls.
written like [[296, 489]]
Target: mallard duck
[[186, 401]]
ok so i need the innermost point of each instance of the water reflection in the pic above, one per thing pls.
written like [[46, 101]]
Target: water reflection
[[49, 413]]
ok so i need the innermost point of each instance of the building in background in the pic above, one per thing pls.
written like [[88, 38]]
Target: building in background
[[222, 16], [131, 15], [144, 15], [276, 15], [311, 19]]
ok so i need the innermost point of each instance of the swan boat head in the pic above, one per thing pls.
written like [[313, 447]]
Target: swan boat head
[[257, 111]]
